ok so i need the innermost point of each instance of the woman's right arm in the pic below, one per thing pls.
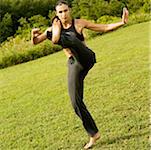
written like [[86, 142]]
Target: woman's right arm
[[37, 36], [56, 30]]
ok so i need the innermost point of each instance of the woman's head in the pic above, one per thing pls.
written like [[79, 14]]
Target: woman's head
[[63, 10], [61, 2]]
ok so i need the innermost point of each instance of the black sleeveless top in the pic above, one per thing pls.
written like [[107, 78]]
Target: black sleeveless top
[[70, 29], [73, 29], [70, 38]]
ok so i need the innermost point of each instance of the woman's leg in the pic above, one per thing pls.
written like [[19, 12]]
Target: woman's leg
[[76, 77]]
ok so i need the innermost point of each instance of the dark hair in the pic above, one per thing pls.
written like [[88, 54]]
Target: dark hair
[[60, 2]]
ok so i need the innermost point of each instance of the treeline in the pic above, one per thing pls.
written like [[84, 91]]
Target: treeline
[[17, 15], [94, 9], [11, 11]]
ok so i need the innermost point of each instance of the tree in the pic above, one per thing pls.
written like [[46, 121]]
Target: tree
[[6, 27]]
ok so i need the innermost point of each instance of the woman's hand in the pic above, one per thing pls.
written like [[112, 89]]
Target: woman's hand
[[125, 15], [35, 32], [37, 36], [56, 23]]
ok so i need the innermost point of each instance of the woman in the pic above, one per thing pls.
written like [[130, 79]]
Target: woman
[[68, 33]]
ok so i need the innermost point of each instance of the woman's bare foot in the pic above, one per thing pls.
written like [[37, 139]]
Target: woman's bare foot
[[92, 141]]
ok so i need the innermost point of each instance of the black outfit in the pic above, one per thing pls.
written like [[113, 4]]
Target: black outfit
[[78, 65]]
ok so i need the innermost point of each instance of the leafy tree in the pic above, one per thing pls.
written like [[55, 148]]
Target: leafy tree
[[38, 21], [6, 27], [89, 9]]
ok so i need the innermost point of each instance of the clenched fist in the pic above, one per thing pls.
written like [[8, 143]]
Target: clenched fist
[[35, 32]]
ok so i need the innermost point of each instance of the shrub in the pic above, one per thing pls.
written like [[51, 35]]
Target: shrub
[[106, 19], [38, 21], [19, 51], [138, 18], [6, 27]]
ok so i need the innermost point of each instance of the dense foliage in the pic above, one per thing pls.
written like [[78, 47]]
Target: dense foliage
[[11, 12], [18, 17]]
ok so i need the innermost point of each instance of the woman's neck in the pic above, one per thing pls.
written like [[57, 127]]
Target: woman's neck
[[67, 24]]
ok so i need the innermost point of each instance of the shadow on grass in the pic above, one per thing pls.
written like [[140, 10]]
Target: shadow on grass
[[119, 139]]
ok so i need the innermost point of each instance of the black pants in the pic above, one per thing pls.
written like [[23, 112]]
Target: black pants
[[76, 75]]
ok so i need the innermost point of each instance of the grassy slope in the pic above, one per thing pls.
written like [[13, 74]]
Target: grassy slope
[[35, 111]]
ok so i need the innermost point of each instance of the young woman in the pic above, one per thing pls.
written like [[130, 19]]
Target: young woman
[[68, 33]]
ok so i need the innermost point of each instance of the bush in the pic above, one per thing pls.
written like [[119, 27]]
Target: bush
[[19, 51], [6, 27], [138, 18], [106, 19], [25, 25], [38, 21]]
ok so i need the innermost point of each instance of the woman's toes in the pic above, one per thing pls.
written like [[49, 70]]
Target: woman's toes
[[92, 141], [88, 146]]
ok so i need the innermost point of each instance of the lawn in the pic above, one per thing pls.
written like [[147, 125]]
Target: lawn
[[36, 113]]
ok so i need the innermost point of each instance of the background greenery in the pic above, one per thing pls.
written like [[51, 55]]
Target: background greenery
[[18, 17], [35, 110], [17, 14]]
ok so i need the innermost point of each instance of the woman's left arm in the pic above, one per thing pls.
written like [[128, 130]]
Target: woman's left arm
[[105, 27]]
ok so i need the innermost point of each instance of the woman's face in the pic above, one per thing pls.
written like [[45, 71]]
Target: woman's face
[[63, 12]]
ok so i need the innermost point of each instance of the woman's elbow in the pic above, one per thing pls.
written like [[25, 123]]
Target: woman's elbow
[[34, 42], [106, 29], [55, 41]]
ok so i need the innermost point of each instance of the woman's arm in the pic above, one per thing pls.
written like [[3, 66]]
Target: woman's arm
[[56, 30], [105, 27], [37, 36]]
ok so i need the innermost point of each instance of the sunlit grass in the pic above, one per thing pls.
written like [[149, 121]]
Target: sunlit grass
[[35, 110]]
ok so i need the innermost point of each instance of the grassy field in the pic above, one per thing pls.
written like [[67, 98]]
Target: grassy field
[[36, 113]]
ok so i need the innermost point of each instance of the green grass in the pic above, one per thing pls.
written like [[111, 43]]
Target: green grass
[[35, 110]]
